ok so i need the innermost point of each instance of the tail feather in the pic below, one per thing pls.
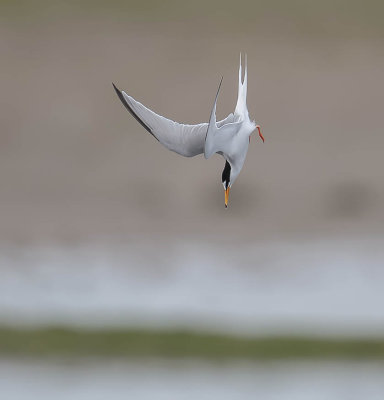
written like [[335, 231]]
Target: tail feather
[[240, 78], [241, 104], [245, 83]]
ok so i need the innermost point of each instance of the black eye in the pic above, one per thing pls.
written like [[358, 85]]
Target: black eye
[[225, 177]]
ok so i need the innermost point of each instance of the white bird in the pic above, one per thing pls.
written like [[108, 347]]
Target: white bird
[[229, 137]]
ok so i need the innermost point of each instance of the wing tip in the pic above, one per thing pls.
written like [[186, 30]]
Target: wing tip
[[121, 94], [115, 87], [218, 90]]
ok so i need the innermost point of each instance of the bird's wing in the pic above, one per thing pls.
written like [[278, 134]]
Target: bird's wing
[[187, 140], [219, 136]]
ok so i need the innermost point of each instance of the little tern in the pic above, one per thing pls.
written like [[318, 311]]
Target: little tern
[[229, 137]]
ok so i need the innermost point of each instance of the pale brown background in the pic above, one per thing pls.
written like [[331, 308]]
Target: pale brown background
[[74, 165]]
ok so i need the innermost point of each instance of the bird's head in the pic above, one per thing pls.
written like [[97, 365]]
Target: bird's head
[[228, 176]]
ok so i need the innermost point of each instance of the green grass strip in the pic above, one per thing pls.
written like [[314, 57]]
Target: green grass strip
[[178, 344]]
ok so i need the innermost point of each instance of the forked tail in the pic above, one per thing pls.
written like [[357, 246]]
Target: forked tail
[[241, 105]]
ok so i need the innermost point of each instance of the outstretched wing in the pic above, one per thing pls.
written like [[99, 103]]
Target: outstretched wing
[[186, 140], [219, 136]]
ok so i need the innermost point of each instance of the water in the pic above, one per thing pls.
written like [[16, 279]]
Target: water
[[96, 379], [312, 287]]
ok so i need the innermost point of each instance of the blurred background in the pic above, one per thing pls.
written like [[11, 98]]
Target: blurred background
[[121, 273]]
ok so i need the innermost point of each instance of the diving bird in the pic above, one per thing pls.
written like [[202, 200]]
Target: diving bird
[[229, 137]]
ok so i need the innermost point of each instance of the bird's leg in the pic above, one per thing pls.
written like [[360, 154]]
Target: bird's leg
[[260, 134]]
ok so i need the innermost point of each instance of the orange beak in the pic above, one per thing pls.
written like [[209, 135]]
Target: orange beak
[[227, 196], [260, 134]]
